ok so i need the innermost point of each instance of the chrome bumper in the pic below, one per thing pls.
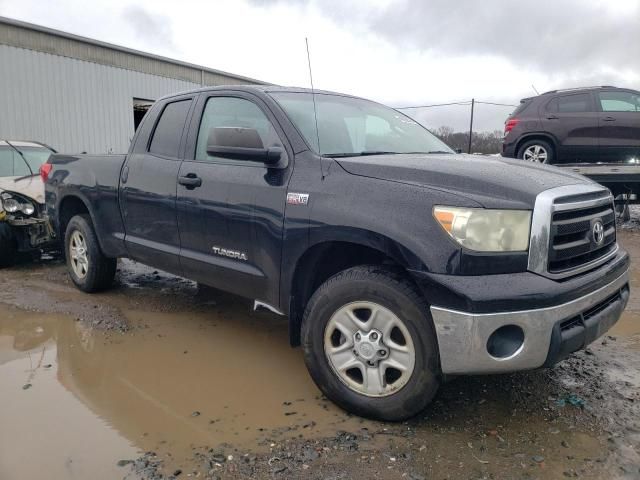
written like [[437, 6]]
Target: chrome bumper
[[463, 337]]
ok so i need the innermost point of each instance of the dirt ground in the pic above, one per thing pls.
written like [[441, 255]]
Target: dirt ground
[[160, 379]]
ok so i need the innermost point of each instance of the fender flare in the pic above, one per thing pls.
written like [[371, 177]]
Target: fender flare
[[295, 282], [79, 196]]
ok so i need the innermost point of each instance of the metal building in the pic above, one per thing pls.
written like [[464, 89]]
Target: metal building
[[81, 95]]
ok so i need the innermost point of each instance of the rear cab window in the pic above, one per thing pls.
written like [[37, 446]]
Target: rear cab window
[[169, 128]]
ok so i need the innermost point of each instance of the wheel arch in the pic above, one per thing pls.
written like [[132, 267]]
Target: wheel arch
[[537, 136], [68, 207], [328, 256]]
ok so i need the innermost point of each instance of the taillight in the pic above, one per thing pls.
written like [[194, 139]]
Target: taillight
[[512, 122], [45, 170]]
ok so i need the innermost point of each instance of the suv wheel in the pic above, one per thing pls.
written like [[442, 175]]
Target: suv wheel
[[89, 269], [537, 151], [370, 345]]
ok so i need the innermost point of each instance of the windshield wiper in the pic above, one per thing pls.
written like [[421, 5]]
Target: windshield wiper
[[365, 153], [23, 158], [439, 152]]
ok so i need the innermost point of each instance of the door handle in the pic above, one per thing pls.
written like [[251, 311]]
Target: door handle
[[608, 119], [552, 117], [125, 174], [190, 181]]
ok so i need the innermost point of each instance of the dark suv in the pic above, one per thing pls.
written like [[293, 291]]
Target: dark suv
[[582, 125]]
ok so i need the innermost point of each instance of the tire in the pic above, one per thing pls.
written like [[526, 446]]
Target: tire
[[8, 250], [384, 292], [623, 211], [527, 151], [89, 269]]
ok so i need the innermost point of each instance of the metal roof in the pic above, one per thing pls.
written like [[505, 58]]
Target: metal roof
[[14, 35]]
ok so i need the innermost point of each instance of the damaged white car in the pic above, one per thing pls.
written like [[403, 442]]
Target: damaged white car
[[24, 228]]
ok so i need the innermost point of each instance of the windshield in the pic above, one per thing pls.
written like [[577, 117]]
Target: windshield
[[352, 126], [12, 164]]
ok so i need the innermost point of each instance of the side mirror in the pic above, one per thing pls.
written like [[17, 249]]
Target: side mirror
[[241, 144]]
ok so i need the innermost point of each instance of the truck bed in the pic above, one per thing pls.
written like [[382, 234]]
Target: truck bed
[[95, 180]]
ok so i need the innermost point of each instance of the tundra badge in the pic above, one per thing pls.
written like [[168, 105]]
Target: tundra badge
[[229, 253]]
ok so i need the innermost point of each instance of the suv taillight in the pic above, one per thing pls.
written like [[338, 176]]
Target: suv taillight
[[45, 170], [509, 124]]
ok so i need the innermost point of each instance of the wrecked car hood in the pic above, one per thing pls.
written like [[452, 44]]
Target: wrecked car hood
[[31, 187]]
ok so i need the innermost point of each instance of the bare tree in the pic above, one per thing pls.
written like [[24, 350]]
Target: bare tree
[[482, 142]]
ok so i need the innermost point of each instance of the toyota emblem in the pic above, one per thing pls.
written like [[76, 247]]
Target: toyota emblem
[[598, 232]]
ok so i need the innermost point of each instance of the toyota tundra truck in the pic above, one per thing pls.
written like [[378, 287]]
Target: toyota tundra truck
[[398, 262]]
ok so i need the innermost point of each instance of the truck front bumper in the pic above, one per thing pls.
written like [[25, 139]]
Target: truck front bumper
[[503, 323]]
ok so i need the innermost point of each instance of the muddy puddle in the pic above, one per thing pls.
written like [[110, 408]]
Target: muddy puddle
[[172, 383]]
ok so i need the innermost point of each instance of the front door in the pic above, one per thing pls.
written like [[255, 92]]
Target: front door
[[148, 192], [573, 121], [619, 121], [231, 214]]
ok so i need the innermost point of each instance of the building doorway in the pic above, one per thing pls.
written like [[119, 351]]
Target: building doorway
[[140, 108]]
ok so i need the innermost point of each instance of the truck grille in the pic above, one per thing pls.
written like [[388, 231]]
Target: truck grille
[[572, 237], [573, 230]]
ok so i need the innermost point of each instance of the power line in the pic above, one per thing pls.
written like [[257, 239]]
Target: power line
[[497, 104], [467, 102], [434, 105]]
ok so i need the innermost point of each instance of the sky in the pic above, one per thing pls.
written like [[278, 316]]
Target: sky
[[398, 52]]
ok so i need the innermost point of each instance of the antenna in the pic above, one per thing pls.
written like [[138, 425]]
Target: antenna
[[315, 108], [534, 89]]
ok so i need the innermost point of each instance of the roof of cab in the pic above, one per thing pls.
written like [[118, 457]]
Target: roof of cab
[[257, 88]]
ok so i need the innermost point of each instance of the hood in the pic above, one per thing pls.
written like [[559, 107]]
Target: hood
[[31, 187], [494, 182]]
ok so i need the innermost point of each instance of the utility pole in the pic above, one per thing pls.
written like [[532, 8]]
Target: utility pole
[[473, 102]]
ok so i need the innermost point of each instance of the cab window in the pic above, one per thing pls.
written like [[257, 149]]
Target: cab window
[[168, 132], [233, 112]]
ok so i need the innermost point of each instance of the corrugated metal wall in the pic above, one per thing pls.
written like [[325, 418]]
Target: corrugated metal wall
[[73, 105]]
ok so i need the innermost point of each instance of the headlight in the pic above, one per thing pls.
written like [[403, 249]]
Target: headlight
[[27, 208], [486, 230], [11, 205]]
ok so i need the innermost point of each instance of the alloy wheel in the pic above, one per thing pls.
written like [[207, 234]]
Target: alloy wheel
[[78, 254], [536, 153], [369, 348]]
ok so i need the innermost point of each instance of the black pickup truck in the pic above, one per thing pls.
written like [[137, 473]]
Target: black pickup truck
[[397, 261]]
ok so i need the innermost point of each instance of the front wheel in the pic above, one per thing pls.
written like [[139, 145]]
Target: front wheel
[[89, 269], [370, 345], [536, 151]]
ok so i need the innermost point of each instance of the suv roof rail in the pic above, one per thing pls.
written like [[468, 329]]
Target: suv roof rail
[[578, 88]]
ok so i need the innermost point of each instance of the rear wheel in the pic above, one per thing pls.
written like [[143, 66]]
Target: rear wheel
[[89, 269], [7, 246], [370, 345], [537, 151]]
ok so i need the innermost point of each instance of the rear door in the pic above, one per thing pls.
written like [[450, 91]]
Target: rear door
[[619, 120], [148, 189], [573, 121], [231, 223]]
